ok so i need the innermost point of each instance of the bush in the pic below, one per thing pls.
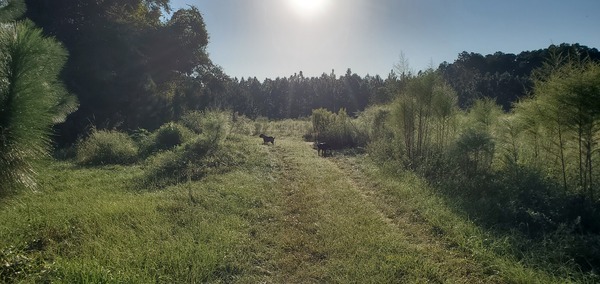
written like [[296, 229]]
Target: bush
[[199, 157], [215, 124], [261, 125], [241, 124], [168, 136], [139, 135], [337, 130], [181, 163], [193, 121], [474, 152], [107, 147]]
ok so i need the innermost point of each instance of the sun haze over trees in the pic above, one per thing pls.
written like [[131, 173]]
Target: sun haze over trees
[[137, 64]]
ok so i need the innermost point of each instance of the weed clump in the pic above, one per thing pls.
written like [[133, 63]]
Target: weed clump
[[104, 147], [337, 130], [211, 149], [198, 158], [168, 136], [216, 124]]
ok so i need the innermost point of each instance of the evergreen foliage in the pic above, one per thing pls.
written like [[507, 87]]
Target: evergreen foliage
[[32, 99], [503, 77], [11, 10]]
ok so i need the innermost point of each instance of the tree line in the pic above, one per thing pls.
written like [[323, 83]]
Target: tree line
[[138, 64]]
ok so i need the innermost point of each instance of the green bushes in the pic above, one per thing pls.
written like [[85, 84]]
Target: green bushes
[[105, 147], [337, 130], [197, 158], [179, 164], [208, 131], [201, 144], [503, 170], [213, 124], [168, 136]]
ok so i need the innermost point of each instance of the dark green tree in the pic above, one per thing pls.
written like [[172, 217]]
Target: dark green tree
[[126, 63], [501, 76]]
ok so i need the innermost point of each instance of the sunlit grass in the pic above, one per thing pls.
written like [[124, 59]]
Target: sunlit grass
[[332, 232], [292, 217], [406, 193], [96, 225]]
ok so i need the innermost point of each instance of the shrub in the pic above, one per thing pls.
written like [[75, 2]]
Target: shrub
[[215, 124], [261, 125], [199, 157], [181, 163], [474, 152], [241, 124], [337, 130], [107, 147], [193, 121], [139, 135], [170, 135], [165, 167]]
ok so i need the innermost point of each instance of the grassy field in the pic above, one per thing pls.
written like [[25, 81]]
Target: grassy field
[[292, 217]]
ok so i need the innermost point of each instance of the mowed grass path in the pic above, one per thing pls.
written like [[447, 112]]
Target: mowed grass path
[[291, 217], [333, 229]]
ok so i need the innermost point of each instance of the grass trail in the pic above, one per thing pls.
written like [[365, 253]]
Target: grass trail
[[333, 229], [290, 217]]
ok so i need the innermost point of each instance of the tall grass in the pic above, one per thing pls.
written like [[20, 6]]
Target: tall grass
[[105, 147], [214, 123], [96, 225], [338, 130], [167, 136], [276, 213], [286, 128], [212, 149], [507, 257]]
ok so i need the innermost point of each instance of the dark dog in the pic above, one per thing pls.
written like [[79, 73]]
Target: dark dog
[[267, 139], [323, 148]]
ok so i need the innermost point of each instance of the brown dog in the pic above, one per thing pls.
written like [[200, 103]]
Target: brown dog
[[267, 139]]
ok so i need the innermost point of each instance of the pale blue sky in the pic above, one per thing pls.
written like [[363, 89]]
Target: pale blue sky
[[271, 38]]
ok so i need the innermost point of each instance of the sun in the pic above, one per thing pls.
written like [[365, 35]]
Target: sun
[[309, 8]]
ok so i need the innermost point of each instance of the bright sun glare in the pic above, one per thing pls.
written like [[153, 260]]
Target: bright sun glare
[[309, 8]]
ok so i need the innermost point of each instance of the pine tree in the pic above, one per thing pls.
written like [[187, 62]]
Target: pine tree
[[32, 99]]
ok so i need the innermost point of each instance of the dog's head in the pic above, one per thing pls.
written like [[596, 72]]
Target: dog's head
[[262, 135]]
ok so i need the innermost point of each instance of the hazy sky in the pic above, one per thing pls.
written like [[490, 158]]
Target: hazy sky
[[277, 38]]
